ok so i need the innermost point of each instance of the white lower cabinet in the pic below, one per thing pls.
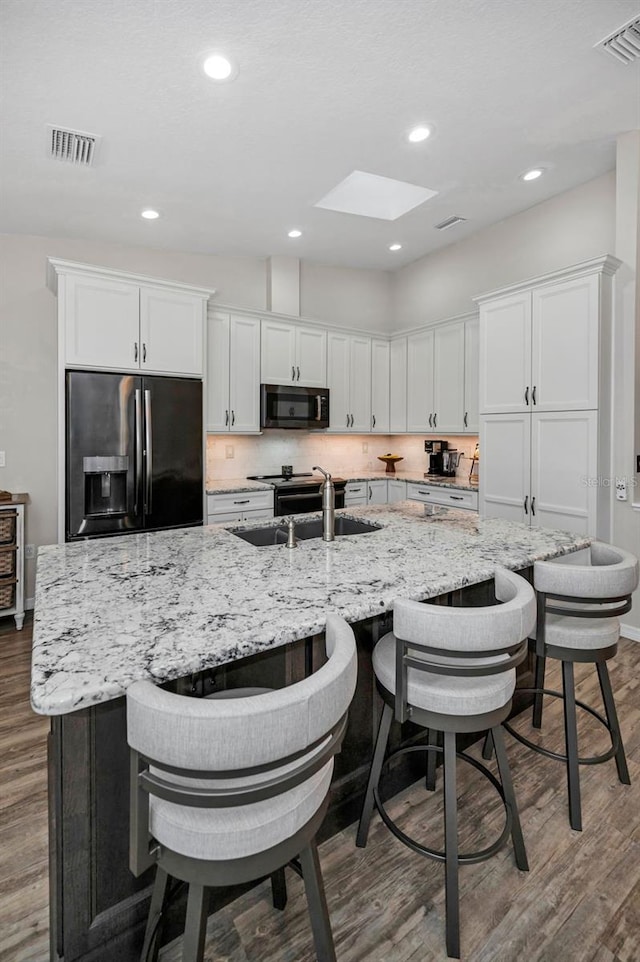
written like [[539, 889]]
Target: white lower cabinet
[[239, 506], [355, 492], [396, 491], [377, 491], [541, 469], [438, 494]]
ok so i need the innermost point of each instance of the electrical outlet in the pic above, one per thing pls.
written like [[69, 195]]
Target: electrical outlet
[[621, 489], [365, 447], [228, 451], [29, 551], [3, 460]]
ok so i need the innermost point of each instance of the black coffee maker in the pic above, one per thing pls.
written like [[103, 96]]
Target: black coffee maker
[[435, 459]]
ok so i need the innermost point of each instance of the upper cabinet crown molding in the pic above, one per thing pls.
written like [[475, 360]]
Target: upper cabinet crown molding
[[56, 266], [604, 264]]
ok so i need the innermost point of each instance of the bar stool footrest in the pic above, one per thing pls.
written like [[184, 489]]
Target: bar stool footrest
[[558, 756], [466, 858]]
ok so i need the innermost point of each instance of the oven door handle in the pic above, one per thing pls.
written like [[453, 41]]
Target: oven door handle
[[299, 497]]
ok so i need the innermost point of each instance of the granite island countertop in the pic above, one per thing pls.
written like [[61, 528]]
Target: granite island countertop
[[164, 604]]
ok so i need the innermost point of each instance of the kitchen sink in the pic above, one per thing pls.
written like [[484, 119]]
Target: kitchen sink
[[305, 531]]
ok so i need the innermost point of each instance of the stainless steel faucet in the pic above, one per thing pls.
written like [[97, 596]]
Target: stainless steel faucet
[[328, 505]]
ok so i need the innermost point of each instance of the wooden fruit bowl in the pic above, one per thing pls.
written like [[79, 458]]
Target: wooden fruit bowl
[[390, 461]]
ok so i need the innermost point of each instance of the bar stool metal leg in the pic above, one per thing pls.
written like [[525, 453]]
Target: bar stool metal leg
[[571, 741], [432, 759], [538, 684], [517, 838], [487, 746], [612, 720], [374, 775], [318, 911], [279, 889], [154, 920], [451, 846], [195, 928]]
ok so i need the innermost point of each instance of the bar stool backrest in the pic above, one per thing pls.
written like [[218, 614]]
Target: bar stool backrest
[[440, 634], [226, 752], [610, 578]]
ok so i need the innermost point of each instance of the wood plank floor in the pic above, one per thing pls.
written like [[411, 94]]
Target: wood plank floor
[[579, 903]]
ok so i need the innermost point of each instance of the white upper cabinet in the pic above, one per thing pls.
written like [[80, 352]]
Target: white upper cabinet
[[171, 325], [420, 381], [564, 362], [398, 385], [101, 321], [349, 369], [380, 351], [539, 348], [233, 373], [470, 420], [448, 378], [505, 354], [293, 354], [128, 323]]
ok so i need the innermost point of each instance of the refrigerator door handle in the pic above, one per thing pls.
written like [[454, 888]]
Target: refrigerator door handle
[[138, 452], [149, 450]]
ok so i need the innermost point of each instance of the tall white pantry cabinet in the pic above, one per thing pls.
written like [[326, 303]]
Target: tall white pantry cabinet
[[545, 400]]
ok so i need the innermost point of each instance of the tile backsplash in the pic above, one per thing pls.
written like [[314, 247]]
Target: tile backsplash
[[265, 454]]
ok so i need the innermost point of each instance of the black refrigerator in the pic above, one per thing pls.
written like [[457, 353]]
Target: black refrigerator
[[134, 457]]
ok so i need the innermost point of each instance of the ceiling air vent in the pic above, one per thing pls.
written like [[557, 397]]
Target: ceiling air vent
[[624, 43], [450, 222], [72, 146]]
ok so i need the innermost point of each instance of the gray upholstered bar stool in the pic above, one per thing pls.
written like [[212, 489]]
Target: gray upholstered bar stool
[[225, 791], [578, 609], [453, 670]]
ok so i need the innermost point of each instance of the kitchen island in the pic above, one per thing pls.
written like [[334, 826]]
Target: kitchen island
[[201, 609]]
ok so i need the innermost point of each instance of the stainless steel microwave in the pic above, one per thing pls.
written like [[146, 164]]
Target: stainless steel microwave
[[304, 408]]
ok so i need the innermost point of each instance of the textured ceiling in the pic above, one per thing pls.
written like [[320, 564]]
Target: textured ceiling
[[324, 87]]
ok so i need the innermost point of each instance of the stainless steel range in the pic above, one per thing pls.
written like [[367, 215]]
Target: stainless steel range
[[299, 493]]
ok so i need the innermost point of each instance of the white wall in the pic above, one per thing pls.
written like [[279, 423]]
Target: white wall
[[567, 229], [28, 426], [346, 296]]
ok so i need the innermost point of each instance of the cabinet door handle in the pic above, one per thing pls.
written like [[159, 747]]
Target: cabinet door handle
[[233, 417], [526, 504], [135, 352], [466, 419], [533, 395], [298, 370], [526, 395], [373, 420], [370, 493], [431, 420], [293, 373], [351, 420], [226, 418], [456, 497], [533, 506], [144, 353], [435, 420], [347, 420]]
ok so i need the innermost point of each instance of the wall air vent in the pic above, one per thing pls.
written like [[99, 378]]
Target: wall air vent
[[624, 43], [450, 222], [72, 146]]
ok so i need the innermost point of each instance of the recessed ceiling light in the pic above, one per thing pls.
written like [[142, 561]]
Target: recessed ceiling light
[[533, 174], [294, 233], [395, 247], [219, 67], [150, 214], [419, 134]]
